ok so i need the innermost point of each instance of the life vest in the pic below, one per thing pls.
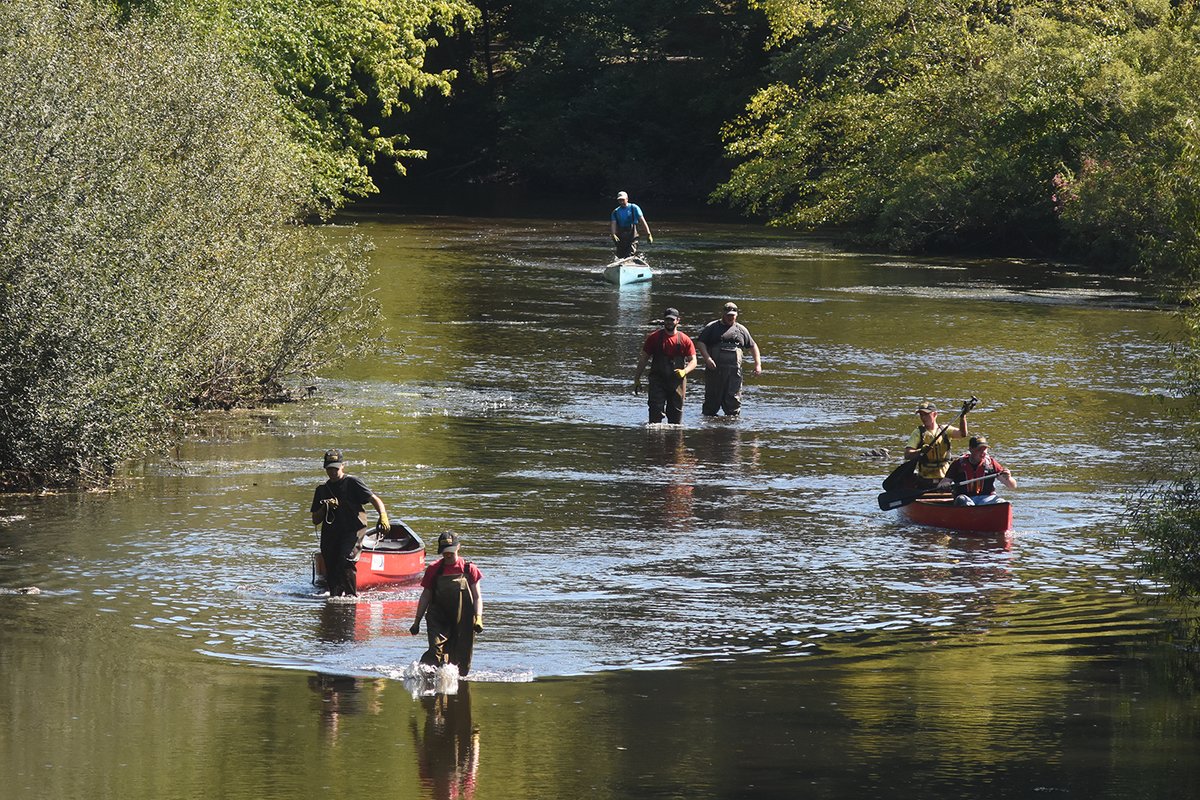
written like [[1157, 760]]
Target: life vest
[[971, 471], [933, 462]]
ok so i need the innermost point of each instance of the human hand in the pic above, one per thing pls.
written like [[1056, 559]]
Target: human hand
[[415, 628], [637, 385], [944, 483], [330, 502], [679, 373], [615, 239], [650, 238], [758, 369], [708, 362], [385, 524], [478, 626]]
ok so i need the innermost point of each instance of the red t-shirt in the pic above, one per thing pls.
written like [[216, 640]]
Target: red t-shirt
[[435, 570], [670, 345]]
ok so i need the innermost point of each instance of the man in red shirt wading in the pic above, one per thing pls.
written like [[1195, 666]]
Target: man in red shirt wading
[[671, 356], [452, 607]]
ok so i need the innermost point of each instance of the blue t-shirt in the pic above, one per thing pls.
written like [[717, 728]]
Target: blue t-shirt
[[627, 216]]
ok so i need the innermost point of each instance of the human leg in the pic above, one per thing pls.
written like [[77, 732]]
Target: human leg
[[674, 402], [964, 500], [656, 399], [712, 392], [731, 393]]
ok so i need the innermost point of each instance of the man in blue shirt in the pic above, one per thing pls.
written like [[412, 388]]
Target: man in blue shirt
[[625, 220]]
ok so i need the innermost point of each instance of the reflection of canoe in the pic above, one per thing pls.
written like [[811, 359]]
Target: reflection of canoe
[[397, 559], [628, 270], [939, 511]]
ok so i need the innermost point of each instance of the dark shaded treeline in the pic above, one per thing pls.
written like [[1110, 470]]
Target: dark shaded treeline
[[580, 98]]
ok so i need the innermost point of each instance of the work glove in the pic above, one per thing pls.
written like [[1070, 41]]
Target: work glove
[[415, 628], [478, 626], [680, 373], [969, 404], [385, 524], [615, 239], [650, 238], [637, 385]]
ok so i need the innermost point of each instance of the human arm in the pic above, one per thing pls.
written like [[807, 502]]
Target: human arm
[[688, 365], [477, 600], [384, 523], [757, 358], [643, 359], [703, 349], [646, 228], [422, 607], [612, 226], [1004, 476], [321, 505], [913, 448]]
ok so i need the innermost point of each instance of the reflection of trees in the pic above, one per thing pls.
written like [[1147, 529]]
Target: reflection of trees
[[448, 750]]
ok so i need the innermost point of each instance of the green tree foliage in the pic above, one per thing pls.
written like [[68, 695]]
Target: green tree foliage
[[147, 258], [958, 124], [573, 96], [348, 71]]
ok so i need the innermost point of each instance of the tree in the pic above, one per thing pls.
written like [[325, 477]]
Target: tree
[[149, 260]]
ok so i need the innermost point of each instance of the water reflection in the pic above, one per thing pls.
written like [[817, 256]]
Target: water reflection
[[341, 696], [448, 747]]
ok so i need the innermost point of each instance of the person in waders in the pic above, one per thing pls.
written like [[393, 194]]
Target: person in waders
[[932, 450], [671, 356], [337, 507], [623, 225], [452, 606], [721, 344]]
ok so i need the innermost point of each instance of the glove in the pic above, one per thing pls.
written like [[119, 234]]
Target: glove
[[969, 404], [615, 239], [478, 626], [415, 628], [637, 385], [385, 525], [650, 238], [680, 373]]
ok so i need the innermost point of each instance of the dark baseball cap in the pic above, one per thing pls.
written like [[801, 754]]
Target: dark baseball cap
[[977, 441], [333, 458], [447, 541], [927, 406], [671, 312]]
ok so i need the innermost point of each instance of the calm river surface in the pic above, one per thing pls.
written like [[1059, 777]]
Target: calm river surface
[[713, 611]]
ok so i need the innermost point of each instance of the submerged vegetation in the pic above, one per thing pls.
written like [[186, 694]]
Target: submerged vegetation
[[150, 260]]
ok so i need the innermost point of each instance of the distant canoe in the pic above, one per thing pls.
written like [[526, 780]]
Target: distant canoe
[[633, 269], [399, 559], [939, 511]]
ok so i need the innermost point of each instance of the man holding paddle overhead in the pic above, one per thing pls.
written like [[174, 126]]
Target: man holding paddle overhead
[[929, 445], [974, 476]]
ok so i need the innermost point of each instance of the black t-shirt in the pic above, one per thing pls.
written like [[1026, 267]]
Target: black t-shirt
[[349, 517]]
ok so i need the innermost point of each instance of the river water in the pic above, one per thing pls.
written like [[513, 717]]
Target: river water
[[717, 610]]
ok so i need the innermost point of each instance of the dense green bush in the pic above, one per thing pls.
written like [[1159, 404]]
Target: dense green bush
[[149, 260], [1065, 127]]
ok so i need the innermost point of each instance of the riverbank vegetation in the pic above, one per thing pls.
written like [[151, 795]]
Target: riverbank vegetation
[[149, 258]]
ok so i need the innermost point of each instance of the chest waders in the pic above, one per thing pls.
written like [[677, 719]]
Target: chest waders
[[449, 621]]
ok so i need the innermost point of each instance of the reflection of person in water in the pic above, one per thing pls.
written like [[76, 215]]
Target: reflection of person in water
[[448, 753], [452, 606], [339, 695], [668, 450]]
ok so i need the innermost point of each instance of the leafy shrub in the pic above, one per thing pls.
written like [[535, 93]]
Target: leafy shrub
[[149, 259]]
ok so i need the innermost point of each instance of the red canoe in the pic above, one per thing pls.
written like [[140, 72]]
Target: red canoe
[[396, 560], [939, 511]]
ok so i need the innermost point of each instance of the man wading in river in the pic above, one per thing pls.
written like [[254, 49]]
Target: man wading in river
[[671, 356], [337, 507], [452, 606]]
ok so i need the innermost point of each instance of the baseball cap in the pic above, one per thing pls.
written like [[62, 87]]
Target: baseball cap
[[927, 406], [977, 441], [447, 541], [622, 196], [671, 312], [731, 308], [333, 458]]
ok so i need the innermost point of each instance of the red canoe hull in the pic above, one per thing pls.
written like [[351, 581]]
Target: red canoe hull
[[395, 561], [942, 513]]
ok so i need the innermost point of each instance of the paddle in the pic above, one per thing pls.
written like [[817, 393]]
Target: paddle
[[900, 474], [890, 500]]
